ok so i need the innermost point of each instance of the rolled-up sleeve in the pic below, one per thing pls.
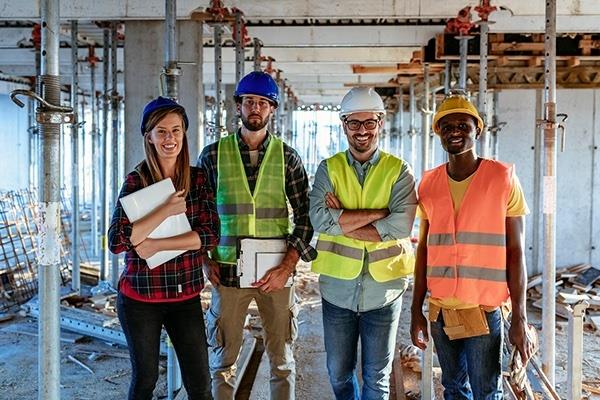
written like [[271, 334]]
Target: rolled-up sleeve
[[119, 232], [402, 206], [324, 219]]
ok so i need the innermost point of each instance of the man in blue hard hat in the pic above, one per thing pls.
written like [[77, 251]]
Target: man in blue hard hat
[[254, 175]]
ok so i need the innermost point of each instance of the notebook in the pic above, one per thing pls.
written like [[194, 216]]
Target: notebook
[[141, 203]]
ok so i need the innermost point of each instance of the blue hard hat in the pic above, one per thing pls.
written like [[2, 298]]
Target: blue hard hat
[[258, 83], [157, 104]]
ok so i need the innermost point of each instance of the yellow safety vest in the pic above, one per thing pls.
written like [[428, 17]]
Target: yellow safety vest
[[342, 257], [263, 213]]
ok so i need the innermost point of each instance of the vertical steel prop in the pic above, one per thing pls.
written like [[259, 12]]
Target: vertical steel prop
[[412, 131], [218, 33], [75, 276], [239, 55], [575, 350], [257, 56], [549, 126], [464, 53], [171, 70], [447, 73], [425, 121], [114, 106], [50, 116], [95, 137], [400, 123], [201, 111], [104, 193], [483, 90]]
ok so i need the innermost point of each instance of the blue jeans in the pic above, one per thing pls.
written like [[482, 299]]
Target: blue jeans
[[142, 324], [377, 332], [471, 367]]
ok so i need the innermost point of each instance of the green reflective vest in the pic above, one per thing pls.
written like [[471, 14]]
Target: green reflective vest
[[263, 213], [342, 257]]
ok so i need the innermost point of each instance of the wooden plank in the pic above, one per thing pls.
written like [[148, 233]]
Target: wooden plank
[[397, 390]]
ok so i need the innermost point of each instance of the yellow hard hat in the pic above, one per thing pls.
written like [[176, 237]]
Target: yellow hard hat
[[456, 104]]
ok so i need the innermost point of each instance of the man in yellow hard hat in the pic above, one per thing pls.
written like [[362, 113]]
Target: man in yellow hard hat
[[363, 205], [470, 258]]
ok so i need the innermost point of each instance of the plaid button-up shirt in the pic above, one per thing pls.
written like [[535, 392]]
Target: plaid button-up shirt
[[296, 190], [180, 277]]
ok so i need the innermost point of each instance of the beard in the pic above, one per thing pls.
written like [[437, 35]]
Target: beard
[[256, 124]]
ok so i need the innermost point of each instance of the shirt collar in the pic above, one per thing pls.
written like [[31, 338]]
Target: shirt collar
[[243, 146], [372, 161]]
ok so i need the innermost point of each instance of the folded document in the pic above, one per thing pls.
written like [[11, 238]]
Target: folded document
[[141, 203]]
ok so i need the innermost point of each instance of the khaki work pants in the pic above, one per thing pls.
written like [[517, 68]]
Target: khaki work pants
[[225, 323]]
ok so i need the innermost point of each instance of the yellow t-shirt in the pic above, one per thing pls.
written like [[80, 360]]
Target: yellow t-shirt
[[516, 207]]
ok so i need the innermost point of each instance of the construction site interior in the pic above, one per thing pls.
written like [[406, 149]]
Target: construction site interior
[[531, 67]]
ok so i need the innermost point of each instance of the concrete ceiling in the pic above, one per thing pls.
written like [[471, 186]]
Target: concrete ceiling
[[314, 43]]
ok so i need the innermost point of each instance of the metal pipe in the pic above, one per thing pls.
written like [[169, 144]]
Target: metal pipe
[[464, 53], [483, 87], [549, 208], [49, 209], [575, 351], [239, 57], [201, 111], [447, 72], [495, 123], [114, 95], [81, 121], [400, 142], [412, 131], [104, 162], [95, 161], [425, 121], [427, 392], [33, 145], [171, 70], [75, 276], [218, 78], [257, 55]]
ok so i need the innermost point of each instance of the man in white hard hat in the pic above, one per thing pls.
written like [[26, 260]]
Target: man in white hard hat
[[363, 205]]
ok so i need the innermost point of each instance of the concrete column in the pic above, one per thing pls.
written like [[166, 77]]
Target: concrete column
[[143, 65]]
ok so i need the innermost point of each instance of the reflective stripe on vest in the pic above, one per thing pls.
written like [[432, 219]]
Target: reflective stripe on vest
[[263, 213], [466, 253], [342, 257]]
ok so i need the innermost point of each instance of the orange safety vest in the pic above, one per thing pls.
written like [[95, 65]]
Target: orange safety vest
[[466, 255]]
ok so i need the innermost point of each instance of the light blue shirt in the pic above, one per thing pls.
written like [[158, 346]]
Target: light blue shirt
[[364, 293]]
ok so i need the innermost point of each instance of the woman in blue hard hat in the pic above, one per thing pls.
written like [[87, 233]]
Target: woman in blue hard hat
[[167, 295]]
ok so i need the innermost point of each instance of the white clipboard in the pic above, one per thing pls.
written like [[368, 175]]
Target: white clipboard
[[257, 256], [144, 201]]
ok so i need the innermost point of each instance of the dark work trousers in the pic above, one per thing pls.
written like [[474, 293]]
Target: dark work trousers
[[142, 323]]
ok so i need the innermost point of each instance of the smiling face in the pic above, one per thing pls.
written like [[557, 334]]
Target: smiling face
[[458, 133], [362, 131], [255, 111], [167, 137]]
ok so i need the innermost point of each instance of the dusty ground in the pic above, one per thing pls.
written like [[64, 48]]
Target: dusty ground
[[111, 371]]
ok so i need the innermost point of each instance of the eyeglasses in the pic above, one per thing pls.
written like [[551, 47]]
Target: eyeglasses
[[355, 124], [251, 103]]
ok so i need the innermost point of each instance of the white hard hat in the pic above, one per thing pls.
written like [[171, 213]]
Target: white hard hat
[[361, 99]]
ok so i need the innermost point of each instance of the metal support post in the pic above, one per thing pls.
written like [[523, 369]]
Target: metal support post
[[81, 121], [104, 162], [400, 142], [75, 276], [114, 96], [575, 351], [34, 144], [549, 197], [95, 161], [257, 56], [497, 126], [483, 87], [447, 73], [239, 57], [171, 70], [412, 131], [464, 53], [218, 30], [427, 392], [425, 121], [201, 93]]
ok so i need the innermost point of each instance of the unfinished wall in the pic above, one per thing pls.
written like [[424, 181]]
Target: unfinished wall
[[14, 151]]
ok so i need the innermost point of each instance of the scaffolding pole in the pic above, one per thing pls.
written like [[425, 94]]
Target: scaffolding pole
[[483, 87], [412, 131], [239, 57], [400, 142], [218, 32], [114, 97], [425, 121], [447, 73], [75, 276], [257, 56], [549, 198], [104, 162], [171, 70], [95, 160], [464, 53], [201, 111]]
